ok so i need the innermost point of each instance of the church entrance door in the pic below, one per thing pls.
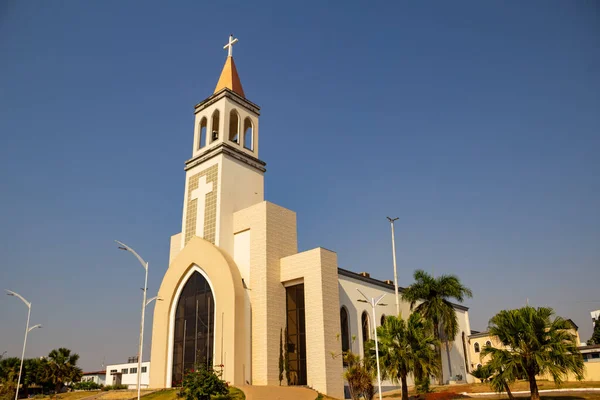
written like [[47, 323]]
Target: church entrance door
[[193, 342], [296, 335]]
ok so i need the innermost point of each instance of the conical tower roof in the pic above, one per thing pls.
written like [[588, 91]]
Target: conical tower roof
[[230, 79]]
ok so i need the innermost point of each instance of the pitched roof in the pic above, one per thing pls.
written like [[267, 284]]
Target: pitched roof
[[230, 79], [95, 373]]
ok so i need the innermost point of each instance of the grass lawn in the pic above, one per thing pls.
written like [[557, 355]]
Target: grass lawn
[[171, 394], [122, 394], [517, 386], [71, 395]]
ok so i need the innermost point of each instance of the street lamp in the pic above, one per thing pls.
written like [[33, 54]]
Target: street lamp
[[27, 330], [123, 246], [374, 303], [394, 258]]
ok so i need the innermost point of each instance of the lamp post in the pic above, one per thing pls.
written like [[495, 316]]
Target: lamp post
[[123, 246], [374, 303], [27, 330], [394, 258]]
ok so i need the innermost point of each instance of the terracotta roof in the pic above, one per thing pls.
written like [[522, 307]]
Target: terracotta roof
[[95, 373], [230, 79]]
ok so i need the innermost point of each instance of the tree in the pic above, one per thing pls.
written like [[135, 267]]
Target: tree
[[9, 369], [61, 368], [9, 372], [202, 383], [280, 356], [32, 374], [595, 339], [405, 347], [482, 372], [535, 342], [433, 296], [359, 376], [286, 358]]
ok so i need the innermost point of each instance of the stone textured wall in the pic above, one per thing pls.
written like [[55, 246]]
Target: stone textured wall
[[210, 205], [318, 270], [175, 246], [273, 236], [230, 326]]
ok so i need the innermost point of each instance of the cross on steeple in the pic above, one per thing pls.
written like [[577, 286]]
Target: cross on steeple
[[229, 46]]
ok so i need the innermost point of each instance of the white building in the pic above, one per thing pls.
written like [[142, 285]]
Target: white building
[[237, 285], [356, 316], [126, 374], [98, 377]]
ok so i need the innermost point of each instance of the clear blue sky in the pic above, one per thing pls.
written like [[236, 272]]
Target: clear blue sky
[[477, 123]]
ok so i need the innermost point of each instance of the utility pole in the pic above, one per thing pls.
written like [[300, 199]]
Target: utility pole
[[395, 271]]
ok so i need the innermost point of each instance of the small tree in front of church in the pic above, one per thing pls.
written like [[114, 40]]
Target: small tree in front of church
[[286, 359], [280, 356], [202, 383]]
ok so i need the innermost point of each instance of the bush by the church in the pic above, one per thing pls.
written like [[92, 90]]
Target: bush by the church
[[114, 387], [86, 385], [202, 383]]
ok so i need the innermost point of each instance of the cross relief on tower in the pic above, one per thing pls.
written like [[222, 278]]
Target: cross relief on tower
[[199, 195], [201, 215]]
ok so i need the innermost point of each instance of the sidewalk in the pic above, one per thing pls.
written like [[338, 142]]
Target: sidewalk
[[278, 393]]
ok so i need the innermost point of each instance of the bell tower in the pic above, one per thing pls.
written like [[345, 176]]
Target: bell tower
[[224, 174]]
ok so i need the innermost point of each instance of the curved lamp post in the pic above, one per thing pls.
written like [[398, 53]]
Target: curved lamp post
[[27, 330], [145, 303], [373, 302]]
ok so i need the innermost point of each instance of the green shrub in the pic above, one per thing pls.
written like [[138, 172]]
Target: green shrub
[[483, 373], [7, 389], [114, 387], [86, 385], [202, 383]]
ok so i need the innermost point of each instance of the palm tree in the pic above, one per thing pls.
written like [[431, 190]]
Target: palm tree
[[483, 373], [535, 342], [32, 374], [9, 368], [61, 368], [433, 296], [9, 371], [406, 347], [359, 375]]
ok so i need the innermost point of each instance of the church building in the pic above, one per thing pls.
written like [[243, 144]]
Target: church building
[[236, 282]]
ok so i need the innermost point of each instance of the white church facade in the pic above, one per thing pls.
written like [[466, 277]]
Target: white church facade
[[236, 281]]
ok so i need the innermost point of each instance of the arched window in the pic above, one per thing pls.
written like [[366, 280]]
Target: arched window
[[476, 347], [248, 135], [366, 327], [215, 126], [344, 329], [234, 127], [382, 319], [479, 365], [202, 132], [194, 327], [488, 343]]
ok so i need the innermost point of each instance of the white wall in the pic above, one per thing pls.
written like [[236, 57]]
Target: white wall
[[129, 379], [456, 349], [100, 379], [240, 186], [349, 297], [241, 256]]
